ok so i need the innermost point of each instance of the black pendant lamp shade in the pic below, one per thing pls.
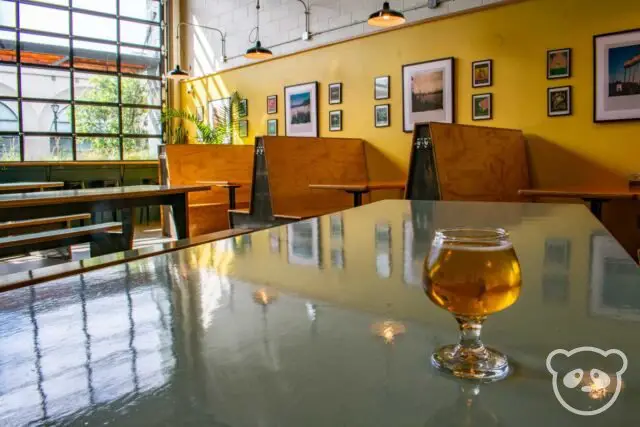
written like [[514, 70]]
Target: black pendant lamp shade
[[258, 52], [386, 17], [178, 73]]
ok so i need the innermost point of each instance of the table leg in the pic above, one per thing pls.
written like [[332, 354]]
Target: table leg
[[128, 226], [596, 207], [232, 197], [180, 216], [357, 199]]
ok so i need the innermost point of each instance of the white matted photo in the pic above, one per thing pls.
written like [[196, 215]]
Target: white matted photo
[[381, 116], [335, 120], [301, 109], [559, 101], [381, 87], [219, 111], [427, 90], [617, 76]]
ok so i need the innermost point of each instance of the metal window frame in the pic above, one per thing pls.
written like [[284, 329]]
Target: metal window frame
[[72, 69]]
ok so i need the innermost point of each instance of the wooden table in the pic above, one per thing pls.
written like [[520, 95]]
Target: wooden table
[[229, 185], [359, 189], [595, 198], [20, 206], [21, 187]]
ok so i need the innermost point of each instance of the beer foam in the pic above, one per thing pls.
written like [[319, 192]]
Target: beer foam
[[470, 248]]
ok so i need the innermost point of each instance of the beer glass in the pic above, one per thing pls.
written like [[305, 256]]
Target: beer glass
[[472, 273]]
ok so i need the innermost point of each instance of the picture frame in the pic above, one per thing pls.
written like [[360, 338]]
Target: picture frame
[[335, 93], [616, 95], [482, 73], [335, 120], [482, 106], [558, 64], [428, 92], [382, 115], [382, 88], [243, 128], [243, 108], [272, 127], [559, 101], [301, 110], [200, 117], [219, 111], [272, 104]]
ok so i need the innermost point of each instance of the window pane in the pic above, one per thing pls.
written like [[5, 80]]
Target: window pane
[[141, 91], [8, 80], [8, 116], [141, 9], [141, 148], [44, 19], [142, 34], [9, 148], [95, 87], [48, 148], [48, 84], [7, 46], [46, 117], [96, 27], [58, 2], [98, 148], [140, 61], [141, 121], [106, 6], [92, 119], [7, 14], [94, 56], [44, 50]]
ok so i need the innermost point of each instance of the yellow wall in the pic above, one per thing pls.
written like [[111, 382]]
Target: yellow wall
[[564, 150]]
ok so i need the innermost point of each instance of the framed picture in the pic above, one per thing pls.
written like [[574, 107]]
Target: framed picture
[[616, 76], [243, 108], [427, 92], [482, 73], [301, 109], [200, 117], [559, 101], [272, 104], [219, 111], [272, 127], [335, 120], [382, 87], [243, 128], [558, 64], [482, 106], [335, 93], [381, 116]]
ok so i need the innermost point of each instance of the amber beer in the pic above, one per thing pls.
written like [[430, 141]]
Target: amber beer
[[472, 279]]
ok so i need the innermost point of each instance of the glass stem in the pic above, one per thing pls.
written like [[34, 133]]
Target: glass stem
[[470, 345]]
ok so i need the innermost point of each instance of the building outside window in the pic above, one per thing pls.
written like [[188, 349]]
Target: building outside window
[[80, 79]]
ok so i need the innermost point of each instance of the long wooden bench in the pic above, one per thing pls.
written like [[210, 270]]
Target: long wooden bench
[[197, 163], [40, 224], [97, 234], [284, 167]]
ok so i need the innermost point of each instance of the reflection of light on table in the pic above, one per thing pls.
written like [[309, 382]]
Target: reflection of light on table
[[597, 392], [388, 330], [263, 298]]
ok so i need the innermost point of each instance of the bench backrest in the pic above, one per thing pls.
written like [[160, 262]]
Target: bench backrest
[[293, 163], [190, 163]]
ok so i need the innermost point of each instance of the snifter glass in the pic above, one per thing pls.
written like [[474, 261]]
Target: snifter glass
[[472, 273]]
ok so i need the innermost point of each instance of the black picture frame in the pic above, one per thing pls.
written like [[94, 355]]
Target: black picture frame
[[474, 64], [243, 108], [569, 60], [375, 85], [476, 117], [243, 128], [569, 110], [375, 115], [339, 99], [452, 62], [315, 88], [275, 98], [596, 89], [275, 123], [335, 113]]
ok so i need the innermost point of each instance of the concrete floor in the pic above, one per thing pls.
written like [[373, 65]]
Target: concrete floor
[[145, 235]]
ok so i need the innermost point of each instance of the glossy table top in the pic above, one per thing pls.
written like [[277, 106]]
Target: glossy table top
[[281, 328]]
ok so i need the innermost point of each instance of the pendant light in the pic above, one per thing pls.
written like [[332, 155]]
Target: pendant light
[[257, 51], [177, 73], [386, 17]]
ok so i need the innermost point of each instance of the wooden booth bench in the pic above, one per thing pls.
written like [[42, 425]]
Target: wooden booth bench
[[208, 164], [286, 170]]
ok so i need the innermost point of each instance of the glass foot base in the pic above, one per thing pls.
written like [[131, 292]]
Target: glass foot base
[[492, 366]]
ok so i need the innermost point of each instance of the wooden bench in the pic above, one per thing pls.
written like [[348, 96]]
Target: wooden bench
[[40, 224], [97, 234], [196, 163], [285, 167]]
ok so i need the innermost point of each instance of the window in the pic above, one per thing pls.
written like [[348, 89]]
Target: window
[[81, 80]]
